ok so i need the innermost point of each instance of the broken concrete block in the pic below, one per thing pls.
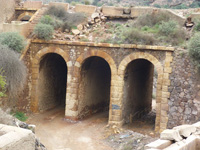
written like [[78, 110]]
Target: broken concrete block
[[169, 134], [158, 144], [185, 130], [189, 144], [197, 125]]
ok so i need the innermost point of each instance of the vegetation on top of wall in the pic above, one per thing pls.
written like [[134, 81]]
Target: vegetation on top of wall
[[194, 48], [56, 17], [148, 29], [43, 31], [14, 70], [13, 40]]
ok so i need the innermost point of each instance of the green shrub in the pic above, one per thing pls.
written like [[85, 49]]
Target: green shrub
[[20, 115], [14, 71], [56, 11], [2, 84], [47, 20], [67, 26], [43, 31], [13, 40], [168, 28], [55, 22], [157, 6], [74, 18], [194, 48], [87, 2], [134, 36], [197, 25]]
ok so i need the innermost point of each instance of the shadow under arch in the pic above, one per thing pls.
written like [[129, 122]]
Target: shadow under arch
[[42, 60], [103, 58], [159, 68]]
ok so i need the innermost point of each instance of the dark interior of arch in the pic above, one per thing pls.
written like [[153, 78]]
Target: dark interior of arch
[[94, 88], [138, 88], [26, 18], [52, 82]]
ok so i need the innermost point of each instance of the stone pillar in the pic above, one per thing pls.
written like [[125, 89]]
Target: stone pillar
[[165, 92], [71, 108]]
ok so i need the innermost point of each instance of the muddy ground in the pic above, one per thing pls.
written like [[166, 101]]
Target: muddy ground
[[56, 133]]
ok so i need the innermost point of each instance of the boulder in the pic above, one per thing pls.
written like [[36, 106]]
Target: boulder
[[75, 31], [185, 130], [80, 27], [169, 134], [95, 15]]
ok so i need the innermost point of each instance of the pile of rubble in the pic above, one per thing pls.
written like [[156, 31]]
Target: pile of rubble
[[83, 30], [184, 137]]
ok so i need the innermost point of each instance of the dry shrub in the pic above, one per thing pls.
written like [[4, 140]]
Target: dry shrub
[[151, 19], [62, 18], [75, 18], [13, 69], [56, 11], [133, 36]]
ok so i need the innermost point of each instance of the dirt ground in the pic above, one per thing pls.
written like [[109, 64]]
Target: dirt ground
[[57, 133]]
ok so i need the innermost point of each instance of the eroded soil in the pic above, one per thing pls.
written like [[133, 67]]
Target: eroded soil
[[56, 133]]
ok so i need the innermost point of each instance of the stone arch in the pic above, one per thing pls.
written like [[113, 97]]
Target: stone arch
[[24, 14], [35, 71], [80, 60], [160, 69], [101, 54]]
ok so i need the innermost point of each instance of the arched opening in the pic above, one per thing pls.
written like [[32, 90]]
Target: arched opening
[[139, 94], [52, 82], [26, 18], [94, 88]]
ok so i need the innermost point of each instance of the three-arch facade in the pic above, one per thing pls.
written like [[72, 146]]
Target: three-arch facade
[[118, 58]]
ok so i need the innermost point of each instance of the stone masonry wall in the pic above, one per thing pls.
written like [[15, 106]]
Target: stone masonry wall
[[117, 56], [184, 101], [7, 9]]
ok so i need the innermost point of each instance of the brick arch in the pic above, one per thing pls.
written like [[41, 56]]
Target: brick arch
[[24, 14], [159, 68], [35, 71], [101, 54], [80, 60]]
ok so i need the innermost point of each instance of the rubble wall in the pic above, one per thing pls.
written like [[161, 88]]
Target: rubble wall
[[184, 101]]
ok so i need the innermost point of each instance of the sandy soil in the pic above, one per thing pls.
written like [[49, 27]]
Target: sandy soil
[[59, 134]]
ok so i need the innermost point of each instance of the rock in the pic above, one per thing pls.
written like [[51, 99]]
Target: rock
[[158, 144], [95, 15], [80, 27], [169, 134], [127, 11], [67, 30], [75, 31], [185, 130], [197, 125], [32, 127], [97, 20], [103, 18], [69, 37]]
